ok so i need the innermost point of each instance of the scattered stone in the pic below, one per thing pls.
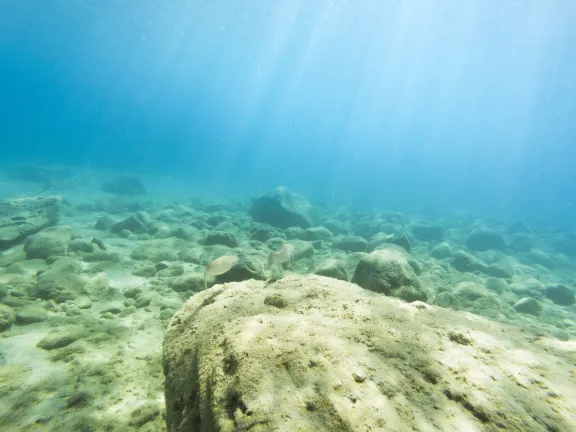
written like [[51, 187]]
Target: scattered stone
[[144, 299], [57, 340], [30, 315], [319, 233], [465, 262], [7, 317], [188, 282], [350, 243], [84, 303], [224, 238], [138, 223], [442, 251], [57, 285], [104, 223], [123, 184], [388, 271], [560, 294], [282, 208], [49, 242], [147, 270], [98, 286], [332, 268], [22, 217], [528, 305], [497, 285]]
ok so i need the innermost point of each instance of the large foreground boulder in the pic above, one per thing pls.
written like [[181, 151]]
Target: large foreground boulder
[[319, 354], [22, 217], [282, 208]]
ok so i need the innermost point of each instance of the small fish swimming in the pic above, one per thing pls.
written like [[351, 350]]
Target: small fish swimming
[[282, 255], [219, 266]]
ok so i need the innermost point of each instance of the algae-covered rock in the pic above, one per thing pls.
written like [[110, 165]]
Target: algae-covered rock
[[528, 305], [224, 238], [138, 223], [49, 242], [332, 268], [58, 285], [282, 208], [560, 294], [57, 340], [350, 243], [442, 251], [30, 315], [389, 272], [319, 233], [7, 317], [22, 217], [318, 354]]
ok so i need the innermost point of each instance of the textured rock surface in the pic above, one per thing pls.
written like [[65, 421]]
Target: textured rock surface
[[22, 217], [282, 208], [318, 354], [388, 271]]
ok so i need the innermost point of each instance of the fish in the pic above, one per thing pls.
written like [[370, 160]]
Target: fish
[[98, 243], [282, 255], [219, 266]]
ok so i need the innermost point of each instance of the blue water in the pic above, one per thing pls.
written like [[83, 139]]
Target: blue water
[[437, 105]]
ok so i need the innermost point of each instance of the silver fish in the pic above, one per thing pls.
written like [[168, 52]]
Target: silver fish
[[282, 255], [219, 266]]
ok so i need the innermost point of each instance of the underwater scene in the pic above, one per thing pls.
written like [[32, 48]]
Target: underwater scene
[[323, 215]]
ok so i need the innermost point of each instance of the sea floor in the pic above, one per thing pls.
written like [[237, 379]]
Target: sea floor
[[83, 320]]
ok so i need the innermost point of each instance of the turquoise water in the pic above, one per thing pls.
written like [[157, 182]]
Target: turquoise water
[[377, 104], [322, 215]]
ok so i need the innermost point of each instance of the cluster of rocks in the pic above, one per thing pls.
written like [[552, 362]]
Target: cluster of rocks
[[53, 268]]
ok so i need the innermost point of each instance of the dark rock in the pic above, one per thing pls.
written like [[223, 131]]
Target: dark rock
[[30, 315], [123, 184], [483, 239], [528, 305], [319, 233], [389, 272], [282, 208], [262, 233], [58, 340], [332, 268], [350, 243], [104, 223], [7, 317], [465, 262], [49, 242], [139, 223], [441, 251], [224, 238], [22, 217], [561, 295]]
